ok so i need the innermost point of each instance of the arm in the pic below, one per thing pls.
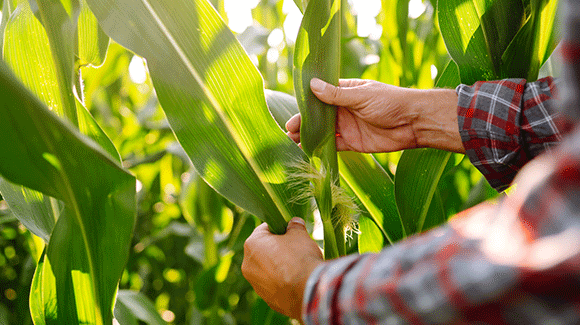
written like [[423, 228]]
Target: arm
[[501, 125], [376, 117], [515, 262]]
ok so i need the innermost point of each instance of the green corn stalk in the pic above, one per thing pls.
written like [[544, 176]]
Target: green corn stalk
[[317, 55]]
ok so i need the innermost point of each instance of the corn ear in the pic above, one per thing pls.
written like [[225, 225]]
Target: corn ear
[[317, 55]]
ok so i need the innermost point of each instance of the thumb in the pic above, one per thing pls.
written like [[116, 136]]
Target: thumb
[[296, 224], [330, 94]]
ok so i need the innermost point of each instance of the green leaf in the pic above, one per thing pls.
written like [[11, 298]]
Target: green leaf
[[45, 154], [138, 306], [435, 215], [62, 290], [538, 36], [25, 37], [37, 212], [317, 55], [370, 239], [301, 4], [477, 33], [124, 315], [449, 78], [6, 11], [59, 18], [213, 97], [264, 315], [42, 286], [282, 106], [374, 188], [206, 288], [92, 40], [418, 173]]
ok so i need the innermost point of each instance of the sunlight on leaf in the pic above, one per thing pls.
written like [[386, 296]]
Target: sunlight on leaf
[[467, 11]]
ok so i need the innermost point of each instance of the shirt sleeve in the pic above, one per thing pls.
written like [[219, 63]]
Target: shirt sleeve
[[504, 124], [517, 261]]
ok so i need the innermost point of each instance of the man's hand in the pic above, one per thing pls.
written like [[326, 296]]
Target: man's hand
[[278, 266], [376, 117]]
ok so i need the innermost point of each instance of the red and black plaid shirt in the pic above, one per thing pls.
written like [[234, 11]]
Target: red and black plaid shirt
[[516, 261]]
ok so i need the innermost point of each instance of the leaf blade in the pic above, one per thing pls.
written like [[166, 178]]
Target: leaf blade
[[223, 99], [100, 196]]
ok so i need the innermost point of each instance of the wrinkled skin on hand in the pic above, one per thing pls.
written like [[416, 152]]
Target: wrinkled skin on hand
[[376, 117]]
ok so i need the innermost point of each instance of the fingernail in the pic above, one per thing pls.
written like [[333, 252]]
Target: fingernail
[[317, 85], [298, 220]]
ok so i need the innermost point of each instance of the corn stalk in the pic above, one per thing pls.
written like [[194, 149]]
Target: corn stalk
[[317, 55]]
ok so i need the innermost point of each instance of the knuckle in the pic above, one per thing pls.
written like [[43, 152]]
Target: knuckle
[[335, 93], [247, 246]]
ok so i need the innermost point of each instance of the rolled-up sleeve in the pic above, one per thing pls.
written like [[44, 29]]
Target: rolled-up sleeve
[[504, 124]]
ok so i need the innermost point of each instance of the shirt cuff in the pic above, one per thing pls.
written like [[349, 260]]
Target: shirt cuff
[[504, 124], [489, 118]]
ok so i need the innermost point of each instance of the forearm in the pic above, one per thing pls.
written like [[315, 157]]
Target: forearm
[[436, 126]]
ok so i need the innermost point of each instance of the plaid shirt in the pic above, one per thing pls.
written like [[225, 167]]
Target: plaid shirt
[[516, 261]]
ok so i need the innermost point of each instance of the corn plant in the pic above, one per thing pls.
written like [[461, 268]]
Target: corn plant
[[317, 54], [64, 180]]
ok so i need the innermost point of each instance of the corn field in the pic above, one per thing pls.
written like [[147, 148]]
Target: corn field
[[142, 141]]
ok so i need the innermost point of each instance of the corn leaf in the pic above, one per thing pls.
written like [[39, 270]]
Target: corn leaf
[[213, 97], [418, 174], [36, 211], [373, 240], [374, 189], [132, 304], [436, 214], [477, 33], [317, 55], [538, 36], [92, 40], [25, 37], [6, 10], [45, 154], [59, 18], [301, 4], [282, 106]]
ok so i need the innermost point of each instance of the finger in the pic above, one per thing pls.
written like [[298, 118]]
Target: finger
[[293, 124], [338, 96], [352, 82], [341, 145], [257, 235], [294, 136], [261, 230], [296, 224]]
